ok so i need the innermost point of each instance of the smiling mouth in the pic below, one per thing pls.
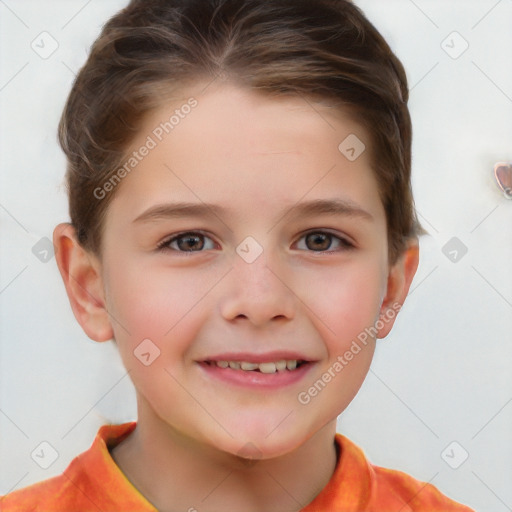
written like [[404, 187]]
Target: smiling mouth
[[280, 366]]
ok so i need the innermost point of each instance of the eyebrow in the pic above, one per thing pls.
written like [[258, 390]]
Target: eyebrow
[[340, 207]]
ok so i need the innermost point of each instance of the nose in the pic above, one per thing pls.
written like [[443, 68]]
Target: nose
[[257, 293]]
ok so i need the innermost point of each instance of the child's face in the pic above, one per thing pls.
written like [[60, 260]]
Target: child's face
[[303, 298]]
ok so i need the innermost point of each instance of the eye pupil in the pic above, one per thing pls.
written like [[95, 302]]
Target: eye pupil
[[322, 241], [189, 242]]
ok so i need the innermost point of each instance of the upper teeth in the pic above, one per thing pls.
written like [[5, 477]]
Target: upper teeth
[[262, 367]]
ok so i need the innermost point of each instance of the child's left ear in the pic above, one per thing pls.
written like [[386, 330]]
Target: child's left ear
[[400, 278]]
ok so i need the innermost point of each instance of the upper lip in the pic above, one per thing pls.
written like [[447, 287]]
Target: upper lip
[[267, 357]]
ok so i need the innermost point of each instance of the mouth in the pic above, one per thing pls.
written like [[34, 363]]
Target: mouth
[[257, 372], [282, 365]]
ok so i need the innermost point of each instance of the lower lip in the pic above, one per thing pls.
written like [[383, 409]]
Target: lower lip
[[256, 379]]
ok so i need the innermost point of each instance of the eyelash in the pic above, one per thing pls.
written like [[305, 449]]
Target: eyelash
[[345, 245]]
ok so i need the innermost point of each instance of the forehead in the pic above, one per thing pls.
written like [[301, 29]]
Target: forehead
[[226, 144]]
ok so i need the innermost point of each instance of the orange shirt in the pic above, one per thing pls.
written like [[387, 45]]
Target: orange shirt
[[93, 482]]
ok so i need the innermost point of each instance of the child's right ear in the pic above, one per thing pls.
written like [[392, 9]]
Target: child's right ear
[[81, 273]]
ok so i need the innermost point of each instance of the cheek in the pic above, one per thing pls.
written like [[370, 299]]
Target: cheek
[[349, 310], [154, 314], [345, 303], [154, 302]]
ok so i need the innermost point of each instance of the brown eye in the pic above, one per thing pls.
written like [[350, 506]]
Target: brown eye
[[187, 242], [320, 241], [190, 242]]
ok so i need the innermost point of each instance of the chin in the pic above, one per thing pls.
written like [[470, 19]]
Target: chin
[[254, 443]]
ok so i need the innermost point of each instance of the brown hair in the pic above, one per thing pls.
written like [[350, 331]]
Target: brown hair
[[323, 50]]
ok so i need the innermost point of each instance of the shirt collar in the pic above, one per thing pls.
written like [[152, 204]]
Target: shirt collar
[[352, 483]]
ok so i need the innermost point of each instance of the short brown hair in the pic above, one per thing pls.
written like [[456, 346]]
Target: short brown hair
[[322, 49]]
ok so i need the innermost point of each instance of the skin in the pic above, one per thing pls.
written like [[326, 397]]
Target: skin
[[256, 157]]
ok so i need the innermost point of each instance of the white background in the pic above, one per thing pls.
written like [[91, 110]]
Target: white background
[[444, 373]]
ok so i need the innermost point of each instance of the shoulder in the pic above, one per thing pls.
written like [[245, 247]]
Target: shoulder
[[91, 482], [52, 494], [385, 489], [419, 496]]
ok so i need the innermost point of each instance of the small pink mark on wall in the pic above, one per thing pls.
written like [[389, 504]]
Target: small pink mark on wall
[[503, 174]]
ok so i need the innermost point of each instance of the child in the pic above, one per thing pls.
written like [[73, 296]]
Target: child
[[211, 144]]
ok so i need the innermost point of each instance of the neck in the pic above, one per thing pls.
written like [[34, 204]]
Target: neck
[[177, 473]]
